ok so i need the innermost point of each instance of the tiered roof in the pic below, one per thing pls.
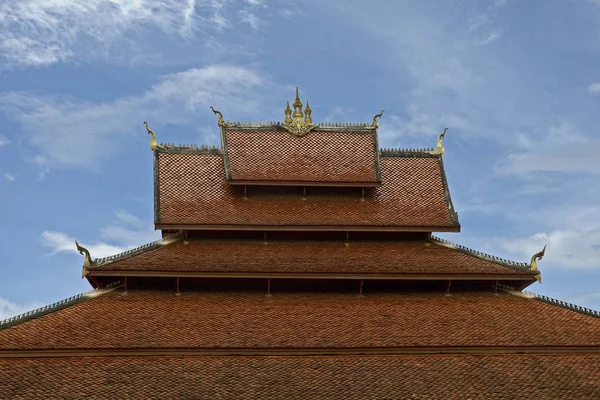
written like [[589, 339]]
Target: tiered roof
[[298, 261]]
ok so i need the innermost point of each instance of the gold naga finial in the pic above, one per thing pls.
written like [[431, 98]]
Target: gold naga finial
[[375, 123], [220, 121], [297, 125], [533, 265], [439, 149], [87, 262], [153, 143]]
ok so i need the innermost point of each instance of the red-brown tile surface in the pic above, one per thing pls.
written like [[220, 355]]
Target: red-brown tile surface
[[325, 377], [193, 190], [320, 156], [400, 257], [198, 319]]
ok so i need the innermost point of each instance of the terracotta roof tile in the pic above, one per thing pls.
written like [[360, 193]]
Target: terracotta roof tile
[[192, 190], [201, 319], [236, 255], [320, 156], [523, 376]]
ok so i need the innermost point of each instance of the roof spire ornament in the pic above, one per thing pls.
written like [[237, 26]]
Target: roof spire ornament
[[153, 143], [288, 113], [439, 149], [298, 126], [375, 123], [533, 265], [307, 113]]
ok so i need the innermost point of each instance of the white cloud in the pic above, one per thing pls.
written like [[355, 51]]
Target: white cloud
[[10, 177], [250, 18], [43, 32], [3, 141], [568, 248], [68, 131], [124, 233], [594, 88], [10, 309]]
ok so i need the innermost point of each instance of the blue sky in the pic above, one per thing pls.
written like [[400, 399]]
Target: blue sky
[[516, 82]]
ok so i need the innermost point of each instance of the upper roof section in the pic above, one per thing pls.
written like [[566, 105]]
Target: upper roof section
[[191, 192], [299, 152]]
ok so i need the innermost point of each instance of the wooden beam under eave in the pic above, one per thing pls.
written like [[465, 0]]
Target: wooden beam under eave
[[308, 228], [285, 275], [302, 183]]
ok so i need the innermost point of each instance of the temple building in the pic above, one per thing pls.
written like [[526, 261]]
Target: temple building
[[298, 261]]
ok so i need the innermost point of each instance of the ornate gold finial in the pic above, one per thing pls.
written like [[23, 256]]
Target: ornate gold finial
[[533, 265], [153, 143], [307, 113], [439, 149], [375, 123], [297, 106], [297, 125], [288, 113], [220, 121], [87, 262]]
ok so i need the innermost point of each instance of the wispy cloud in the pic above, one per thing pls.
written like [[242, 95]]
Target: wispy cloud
[[68, 131], [250, 18], [566, 248], [10, 177], [124, 233], [43, 32], [594, 88], [3, 141], [10, 309]]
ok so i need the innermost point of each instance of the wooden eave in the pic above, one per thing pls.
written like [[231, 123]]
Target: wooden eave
[[304, 228]]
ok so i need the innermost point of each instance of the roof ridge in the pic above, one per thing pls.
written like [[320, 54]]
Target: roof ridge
[[57, 305], [551, 300], [261, 124], [392, 151], [202, 149], [137, 250], [483, 256]]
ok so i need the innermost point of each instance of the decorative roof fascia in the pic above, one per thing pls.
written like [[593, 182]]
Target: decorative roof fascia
[[417, 153], [521, 266], [99, 262], [188, 148], [551, 300], [451, 210], [322, 126], [59, 305]]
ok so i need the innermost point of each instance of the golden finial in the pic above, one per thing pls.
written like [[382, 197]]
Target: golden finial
[[87, 262], [153, 143], [439, 149], [297, 125], [375, 123], [307, 113], [533, 265], [220, 121], [288, 113], [297, 106]]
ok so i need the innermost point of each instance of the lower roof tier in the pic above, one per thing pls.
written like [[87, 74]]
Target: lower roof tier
[[192, 192], [523, 376], [204, 319], [392, 259]]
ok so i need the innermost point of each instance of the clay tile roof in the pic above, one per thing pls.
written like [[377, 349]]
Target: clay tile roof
[[448, 376], [273, 155], [191, 191], [310, 256], [229, 320]]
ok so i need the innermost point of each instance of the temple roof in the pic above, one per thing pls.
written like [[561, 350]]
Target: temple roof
[[384, 258], [512, 376], [192, 192], [336, 156], [205, 319]]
